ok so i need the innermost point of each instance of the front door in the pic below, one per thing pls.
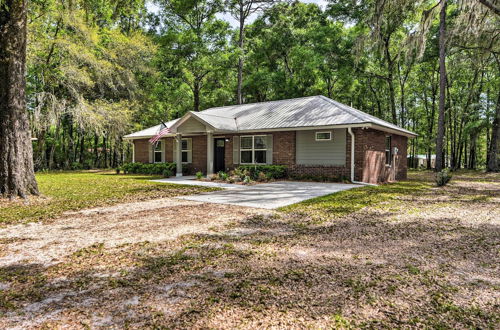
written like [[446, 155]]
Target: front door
[[219, 151]]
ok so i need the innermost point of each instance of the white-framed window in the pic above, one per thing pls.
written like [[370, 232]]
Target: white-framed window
[[158, 152], [388, 150], [186, 150], [253, 149], [323, 136]]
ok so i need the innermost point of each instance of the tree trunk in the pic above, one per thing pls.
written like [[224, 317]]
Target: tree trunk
[[196, 96], [493, 156], [390, 82], [240, 59], [17, 176], [442, 87]]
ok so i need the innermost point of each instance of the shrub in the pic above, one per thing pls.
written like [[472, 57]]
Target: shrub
[[271, 171], [165, 169], [247, 179], [199, 175], [261, 177], [443, 177], [235, 178], [75, 166], [222, 176]]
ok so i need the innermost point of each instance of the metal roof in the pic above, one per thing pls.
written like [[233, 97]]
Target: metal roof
[[149, 132], [312, 111]]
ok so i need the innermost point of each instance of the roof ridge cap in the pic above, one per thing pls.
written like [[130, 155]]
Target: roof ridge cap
[[236, 105], [208, 114], [355, 114]]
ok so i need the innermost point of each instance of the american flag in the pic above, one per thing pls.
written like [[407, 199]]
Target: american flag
[[164, 130]]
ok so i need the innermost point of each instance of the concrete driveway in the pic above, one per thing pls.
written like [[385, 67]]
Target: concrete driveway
[[267, 196]]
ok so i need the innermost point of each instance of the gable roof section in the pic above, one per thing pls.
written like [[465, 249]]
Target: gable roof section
[[305, 112]]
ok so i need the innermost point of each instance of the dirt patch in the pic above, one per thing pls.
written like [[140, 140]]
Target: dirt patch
[[419, 259], [154, 221]]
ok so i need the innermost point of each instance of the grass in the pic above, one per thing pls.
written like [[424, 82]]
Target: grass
[[349, 201], [71, 191]]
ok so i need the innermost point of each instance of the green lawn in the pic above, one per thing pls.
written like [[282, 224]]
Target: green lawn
[[349, 201], [65, 191]]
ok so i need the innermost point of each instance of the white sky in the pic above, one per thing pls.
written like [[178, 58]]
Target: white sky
[[322, 3]]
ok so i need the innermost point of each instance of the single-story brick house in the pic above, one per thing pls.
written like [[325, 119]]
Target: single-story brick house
[[310, 135]]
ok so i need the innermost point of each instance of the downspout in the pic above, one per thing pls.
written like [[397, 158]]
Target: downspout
[[352, 153]]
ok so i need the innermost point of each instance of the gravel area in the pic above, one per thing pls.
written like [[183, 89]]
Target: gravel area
[[155, 220]]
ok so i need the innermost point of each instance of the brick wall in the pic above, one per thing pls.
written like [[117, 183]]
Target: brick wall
[[370, 159], [141, 150], [284, 148], [169, 149], [199, 154]]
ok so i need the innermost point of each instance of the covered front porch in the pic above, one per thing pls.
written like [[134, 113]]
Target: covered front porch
[[188, 133]]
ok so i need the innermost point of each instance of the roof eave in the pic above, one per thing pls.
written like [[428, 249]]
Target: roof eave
[[393, 130]]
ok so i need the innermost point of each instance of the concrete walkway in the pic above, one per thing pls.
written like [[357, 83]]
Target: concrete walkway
[[268, 196]]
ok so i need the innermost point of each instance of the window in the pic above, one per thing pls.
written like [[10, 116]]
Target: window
[[323, 136], [158, 151], [186, 150], [253, 149], [388, 152]]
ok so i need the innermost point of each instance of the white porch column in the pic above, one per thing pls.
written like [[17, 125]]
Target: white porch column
[[178, 154], [210, 153]]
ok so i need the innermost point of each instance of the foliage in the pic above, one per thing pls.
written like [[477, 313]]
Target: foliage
[[269, 171], [222, 176], [100, 69], [319, 178], [199, 175], [165, 169], [443, 177], [247, 179], [65, 191]]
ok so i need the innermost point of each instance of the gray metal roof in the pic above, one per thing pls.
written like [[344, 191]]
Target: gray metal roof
[[312, 111], [149, 132]]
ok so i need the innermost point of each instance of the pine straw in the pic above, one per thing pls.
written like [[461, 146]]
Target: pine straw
[[427, 258]]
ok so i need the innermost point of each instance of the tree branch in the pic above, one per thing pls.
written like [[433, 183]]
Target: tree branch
[[491, 6]]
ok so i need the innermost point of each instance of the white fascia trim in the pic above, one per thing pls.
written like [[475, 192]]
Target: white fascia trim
[[393, 131], [303, 128]]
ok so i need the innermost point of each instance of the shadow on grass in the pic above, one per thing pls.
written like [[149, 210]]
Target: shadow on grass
[[271, 271], [360, 270]]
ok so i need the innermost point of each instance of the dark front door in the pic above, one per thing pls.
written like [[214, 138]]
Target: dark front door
[[219, 150]]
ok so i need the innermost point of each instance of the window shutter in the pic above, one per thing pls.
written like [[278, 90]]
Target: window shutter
[[150, 146], [190, 148], [269, 153], [163, 149], [236, 150]]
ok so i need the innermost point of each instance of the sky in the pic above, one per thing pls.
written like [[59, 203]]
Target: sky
[[322, 3]]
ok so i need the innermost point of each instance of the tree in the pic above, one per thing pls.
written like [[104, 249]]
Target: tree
[[241, 10], [493, 152], [194, 43], [17, 177], [442, 87]]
